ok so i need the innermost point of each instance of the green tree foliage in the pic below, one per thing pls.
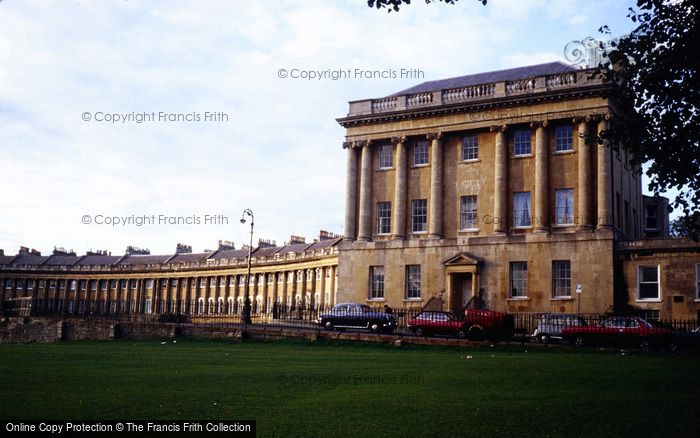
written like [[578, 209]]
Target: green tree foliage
[[654, 72], [395, 5], [687, 226]]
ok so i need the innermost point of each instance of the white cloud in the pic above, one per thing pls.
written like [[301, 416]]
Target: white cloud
[[279, 154]]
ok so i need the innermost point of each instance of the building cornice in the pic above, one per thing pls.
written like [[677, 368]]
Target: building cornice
[[543, 89]]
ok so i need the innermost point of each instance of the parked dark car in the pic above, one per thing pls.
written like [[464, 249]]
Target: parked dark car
[[686, 339], [352, 315], [550, 326], [619, 331], [433, 322], [482, 324]]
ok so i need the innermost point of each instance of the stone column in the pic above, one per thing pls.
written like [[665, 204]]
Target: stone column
[[322, 286], [436, 171], [365, 233], [604, 181], [399, 208], [500, 192], [541, 221], [351, 193], [285, 274], [584, 175]]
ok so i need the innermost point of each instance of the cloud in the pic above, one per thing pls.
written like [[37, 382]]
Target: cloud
[[279, 152]]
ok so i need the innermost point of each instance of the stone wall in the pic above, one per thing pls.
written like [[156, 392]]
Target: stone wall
[[75, 329], [21, 330]]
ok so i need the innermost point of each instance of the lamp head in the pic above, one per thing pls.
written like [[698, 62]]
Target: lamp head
[[242, 220]]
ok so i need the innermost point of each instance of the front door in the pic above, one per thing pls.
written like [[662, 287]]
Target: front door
[[462, 292]]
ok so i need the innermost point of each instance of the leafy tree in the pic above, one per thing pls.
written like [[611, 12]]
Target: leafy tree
[[654, 72], [687, 226], [395, 5]]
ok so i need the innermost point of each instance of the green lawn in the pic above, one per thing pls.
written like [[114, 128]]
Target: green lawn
[[348, 389]]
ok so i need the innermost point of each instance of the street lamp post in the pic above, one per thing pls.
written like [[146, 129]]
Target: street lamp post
[[246, 302]]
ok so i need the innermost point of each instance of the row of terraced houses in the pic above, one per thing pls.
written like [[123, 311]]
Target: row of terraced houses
[[488, 189]]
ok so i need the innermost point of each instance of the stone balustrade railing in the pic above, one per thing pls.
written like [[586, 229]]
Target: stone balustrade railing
[[474, 93]]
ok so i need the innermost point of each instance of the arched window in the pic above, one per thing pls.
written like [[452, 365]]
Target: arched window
[[200, 307], [220, 306]]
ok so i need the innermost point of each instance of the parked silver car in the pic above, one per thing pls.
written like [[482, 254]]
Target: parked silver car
[[551, 324]]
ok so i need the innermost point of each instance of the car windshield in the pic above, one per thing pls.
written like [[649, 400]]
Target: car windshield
[[644, 323], [362, 308]]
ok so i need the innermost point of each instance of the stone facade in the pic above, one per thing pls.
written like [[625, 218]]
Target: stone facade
[[213, 283], [495, 190], [660, 278]]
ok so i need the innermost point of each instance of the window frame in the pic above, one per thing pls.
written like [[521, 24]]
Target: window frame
[[383, 157], [519, 142], [470, 146], [422, 206], [413, 284], [557, 208], [381, 226], [555, 286], [657, 282], [563, 139], [521, 224], [465, 215], [376, 282], [423, 153], [512, 279]]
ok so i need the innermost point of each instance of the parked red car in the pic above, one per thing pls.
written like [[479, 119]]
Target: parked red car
[[618, 330], [477, 324], [487, 324], [430, 322]]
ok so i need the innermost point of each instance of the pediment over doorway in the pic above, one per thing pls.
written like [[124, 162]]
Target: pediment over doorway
[[463, 259]]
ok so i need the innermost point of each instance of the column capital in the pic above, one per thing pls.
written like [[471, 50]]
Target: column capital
[[362, 143], [539, 123], [348, 144], [398, 139], [498, 128], [434, 135]]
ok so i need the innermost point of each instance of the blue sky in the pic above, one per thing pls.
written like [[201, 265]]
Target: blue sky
[[280, 151]]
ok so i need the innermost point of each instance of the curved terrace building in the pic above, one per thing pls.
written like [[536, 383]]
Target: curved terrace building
[[485, 190]]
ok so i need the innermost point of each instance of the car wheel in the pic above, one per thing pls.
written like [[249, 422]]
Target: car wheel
[[419, 332], [579, 341], [644, 344], [544, 339], [375, 327], [476, 333], [328, 325], [462, 334]]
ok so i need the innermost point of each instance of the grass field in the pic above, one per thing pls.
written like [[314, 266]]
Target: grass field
[[346, 389]]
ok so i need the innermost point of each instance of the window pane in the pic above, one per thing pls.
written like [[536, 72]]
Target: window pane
[[470, 148], [419, 208], [413, 279], [376, 289], [649, 274], [561, 278], [383, 217], [518, 279], [563, 138], [521, 141], [468, 216], [420, 153], [521, 209], [648, 282], [565, 206], [385, 156]]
